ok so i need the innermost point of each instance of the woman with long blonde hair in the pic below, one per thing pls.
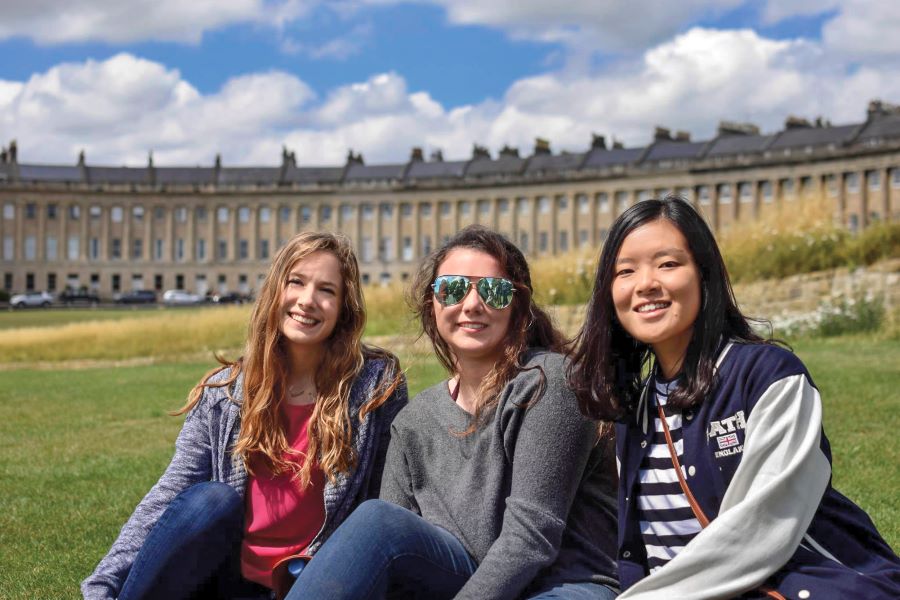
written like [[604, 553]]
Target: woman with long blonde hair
[[277, 447]]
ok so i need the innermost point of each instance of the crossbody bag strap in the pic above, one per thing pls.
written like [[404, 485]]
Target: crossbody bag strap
[[695, 506]]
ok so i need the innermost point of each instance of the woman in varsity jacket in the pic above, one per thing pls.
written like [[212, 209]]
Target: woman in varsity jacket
[[277, 448], [495, 485], [753, 511]]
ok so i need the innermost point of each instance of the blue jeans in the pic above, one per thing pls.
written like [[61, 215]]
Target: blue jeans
[[193, 550], [575, 591], [381, 551]]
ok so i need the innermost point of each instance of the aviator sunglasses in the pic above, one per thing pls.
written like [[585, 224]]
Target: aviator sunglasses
[[496, 292]]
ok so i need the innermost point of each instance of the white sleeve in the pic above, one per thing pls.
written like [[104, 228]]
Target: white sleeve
[[767, 508]]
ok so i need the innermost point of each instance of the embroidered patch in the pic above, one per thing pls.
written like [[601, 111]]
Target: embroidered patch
[[727, 441]]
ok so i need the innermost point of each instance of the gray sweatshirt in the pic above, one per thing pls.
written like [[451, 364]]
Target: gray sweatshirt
[[530, 494]]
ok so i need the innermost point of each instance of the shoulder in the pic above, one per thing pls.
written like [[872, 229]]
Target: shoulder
[[423, 403], [771, 360], [541, 365], [219, 391]]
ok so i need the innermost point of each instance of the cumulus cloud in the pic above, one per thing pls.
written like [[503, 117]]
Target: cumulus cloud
[[120, 108]]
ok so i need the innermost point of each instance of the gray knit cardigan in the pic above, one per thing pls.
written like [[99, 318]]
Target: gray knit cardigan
[[203, 453]]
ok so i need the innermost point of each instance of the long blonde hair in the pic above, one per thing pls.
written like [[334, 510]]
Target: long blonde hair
[[265, 369]]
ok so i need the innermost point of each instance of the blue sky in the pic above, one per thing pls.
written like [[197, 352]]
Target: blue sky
[[245, 77]]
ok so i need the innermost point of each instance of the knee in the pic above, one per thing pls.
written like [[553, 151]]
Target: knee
[[379, 511], [211, 501]]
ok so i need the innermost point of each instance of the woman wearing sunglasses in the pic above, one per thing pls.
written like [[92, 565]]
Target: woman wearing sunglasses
[[495, 486]]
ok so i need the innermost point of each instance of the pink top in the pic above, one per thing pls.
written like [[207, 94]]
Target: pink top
[[280, 518]]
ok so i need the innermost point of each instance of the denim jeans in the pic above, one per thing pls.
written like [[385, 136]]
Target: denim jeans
[[575, 591], [193, 550], [384, 551]]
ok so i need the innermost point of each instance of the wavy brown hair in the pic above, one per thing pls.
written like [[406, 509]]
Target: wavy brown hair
[[529, 325], [265, 370]]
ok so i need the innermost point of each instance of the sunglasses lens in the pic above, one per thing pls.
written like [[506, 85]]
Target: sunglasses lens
[[450, 289], [495, 291]]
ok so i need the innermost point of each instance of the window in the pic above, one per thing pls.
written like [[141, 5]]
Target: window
[[562, 202], [200, 213], [51, 248], [263, 249], [346, 212], [30, 247], [137, 250], [366, 249], [406, 210], [95, 281], [407, 249], [445, 209], [523, 242], [603, 202], [767, 192], [179, 281], [95, 211], [425, 210], [584, 205], [853, 183], [222, 214], [895, 178], [116, 249], [243, 214], [745, 192], [325, 213], [387, 211], [7, 281], [502, 206], [426, 245], [284, 213], [116, 214], [522, 206], [94, 248], [51, 212], [30, 210], [137, 212], [484, 207], [703, 195], [201, 249], [9, 249], [29, 282], [51, 282], [367, 212], [9, 211], [222, 283], [725, 193], [465, 208], [543, 205], [305, 214], [243, 249], [179, 252], [242, 284], [787, 187], [873, 178], [542, 241], [583, 238], [621, 201], [643, 195], [831, 185], [563, 241], [222, 249], [265, 214], [684, 193], [116, 282], [159, 213], [73, 247], [386, 248], [74, 212], [158, 249]]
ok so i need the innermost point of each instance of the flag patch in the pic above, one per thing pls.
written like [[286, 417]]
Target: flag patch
[[727, 441]]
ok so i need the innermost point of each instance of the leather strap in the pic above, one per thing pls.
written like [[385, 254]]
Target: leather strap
[[695, 506]]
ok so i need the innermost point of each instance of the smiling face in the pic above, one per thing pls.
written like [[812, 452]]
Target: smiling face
[[656, 290], [472, 330], [311, 302]]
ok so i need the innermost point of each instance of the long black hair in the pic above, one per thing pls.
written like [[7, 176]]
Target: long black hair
[[529, 325], [607, 362]]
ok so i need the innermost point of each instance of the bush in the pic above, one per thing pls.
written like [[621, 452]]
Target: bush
[[840, 316]]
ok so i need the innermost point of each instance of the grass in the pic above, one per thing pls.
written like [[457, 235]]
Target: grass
[[80, 447]]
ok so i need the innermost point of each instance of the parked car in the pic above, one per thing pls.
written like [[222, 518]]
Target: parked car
[[31, 299], [73, 297], [181, 298], [136, 297], [230, 298]]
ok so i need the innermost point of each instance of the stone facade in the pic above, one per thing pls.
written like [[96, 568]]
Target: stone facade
[[114, 229]]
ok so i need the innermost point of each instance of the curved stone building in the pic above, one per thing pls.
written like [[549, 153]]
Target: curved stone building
[[114, 229]]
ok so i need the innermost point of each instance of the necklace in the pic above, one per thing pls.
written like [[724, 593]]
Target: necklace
[[293, 392]]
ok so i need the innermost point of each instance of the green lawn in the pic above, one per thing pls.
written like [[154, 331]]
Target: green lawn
[[79, 448]]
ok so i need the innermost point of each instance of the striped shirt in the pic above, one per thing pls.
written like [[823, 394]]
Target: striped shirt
[[667, 522]]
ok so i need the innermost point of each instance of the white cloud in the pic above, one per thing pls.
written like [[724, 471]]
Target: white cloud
[[117, 21], [120, 108], [339, 48]]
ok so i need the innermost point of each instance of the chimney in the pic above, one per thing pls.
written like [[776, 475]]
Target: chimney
[[13, 152], [736, 128], [416, 155], [794, 122], [437, 156], [81, 158], [541, 146], [509, 152], [877, 108], [661, 134], [480, 152], [598, 142], [218, 163], [617, 145], [3, 156], [682, 136], [354, 159]]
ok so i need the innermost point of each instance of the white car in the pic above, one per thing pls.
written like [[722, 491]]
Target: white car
[[31, 299], [180, 298]]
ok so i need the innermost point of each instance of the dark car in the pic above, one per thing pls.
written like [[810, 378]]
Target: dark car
[[136, 297], [73, 297], [230, 298]]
